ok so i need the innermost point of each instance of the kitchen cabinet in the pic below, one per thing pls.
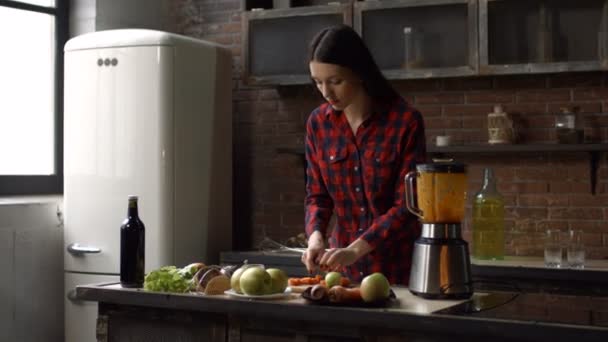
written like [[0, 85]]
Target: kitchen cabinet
[[135, 315], [275, 45], [413, 39], [31, 285], [539, 36], [420, 39]]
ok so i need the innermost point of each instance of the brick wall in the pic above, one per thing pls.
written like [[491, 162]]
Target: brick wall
[[542, 190]]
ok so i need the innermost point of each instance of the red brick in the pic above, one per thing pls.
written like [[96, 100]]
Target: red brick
[[539, 173], [267, 219], [215, 17], [442, 123], [551, 95], [439, 98], [221, 28], [467, 136], [590, 94], [519, 82], [474, 83], [429, 111], [576, 213], [481, 110], [235, 50], [278, 116], [494, 97], [223, 5], [527, 187], [527, 200], [526, 108], [580, 79], [596, 253], [585, 107], [543, 226], [474, 122], [592, 239], [531, 213], [588, 200], [534, 250], [415, 86], [268, 94]]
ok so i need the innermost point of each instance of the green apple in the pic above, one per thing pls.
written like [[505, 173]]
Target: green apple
[[235, 280], [255, 281], [278, 280], [333, 279], [375, 287]]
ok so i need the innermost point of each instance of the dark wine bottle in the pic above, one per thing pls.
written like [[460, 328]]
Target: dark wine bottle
[[132, 248]]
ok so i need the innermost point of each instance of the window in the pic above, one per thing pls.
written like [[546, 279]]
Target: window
[[32, 35]]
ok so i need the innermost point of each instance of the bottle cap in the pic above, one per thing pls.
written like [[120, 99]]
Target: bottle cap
[[132, 197]]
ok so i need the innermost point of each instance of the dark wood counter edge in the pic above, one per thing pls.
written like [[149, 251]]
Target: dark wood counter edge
[[363, 317], [531, 273]]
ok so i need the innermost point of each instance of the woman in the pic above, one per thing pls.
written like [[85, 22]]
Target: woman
[[360, 144]]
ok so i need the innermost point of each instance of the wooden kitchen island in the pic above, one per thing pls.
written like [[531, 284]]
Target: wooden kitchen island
[[136, 315]]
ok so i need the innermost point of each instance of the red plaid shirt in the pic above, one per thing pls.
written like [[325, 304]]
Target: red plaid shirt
[[361, 179]]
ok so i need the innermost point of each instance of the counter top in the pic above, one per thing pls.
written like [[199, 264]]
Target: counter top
[[526, 273], [408, 312]]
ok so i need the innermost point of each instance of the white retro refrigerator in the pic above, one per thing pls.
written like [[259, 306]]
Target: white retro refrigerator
[[147, 113]]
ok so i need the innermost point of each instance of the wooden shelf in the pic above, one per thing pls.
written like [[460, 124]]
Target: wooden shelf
[[481, 148], [593, 150], [518, 148]]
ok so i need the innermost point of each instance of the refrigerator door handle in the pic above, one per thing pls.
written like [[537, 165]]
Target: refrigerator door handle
[[72, 296], [77, 250]]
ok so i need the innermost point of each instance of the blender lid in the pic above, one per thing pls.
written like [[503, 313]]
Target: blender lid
[[442, 165]]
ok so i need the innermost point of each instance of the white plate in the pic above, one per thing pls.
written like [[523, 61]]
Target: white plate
[[286, 293]]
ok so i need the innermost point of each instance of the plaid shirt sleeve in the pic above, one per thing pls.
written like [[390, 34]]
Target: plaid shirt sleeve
[[319, 206], [396, 217]]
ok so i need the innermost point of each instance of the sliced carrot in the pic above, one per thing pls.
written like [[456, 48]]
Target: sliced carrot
[[344, 281]]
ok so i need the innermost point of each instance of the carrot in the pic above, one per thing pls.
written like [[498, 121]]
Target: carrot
[[305, 280], [344, 281], [341, 294]]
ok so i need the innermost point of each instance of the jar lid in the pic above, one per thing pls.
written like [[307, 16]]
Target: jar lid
[[442, 165]]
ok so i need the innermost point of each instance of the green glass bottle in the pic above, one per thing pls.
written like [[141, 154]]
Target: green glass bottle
[[488, 220]]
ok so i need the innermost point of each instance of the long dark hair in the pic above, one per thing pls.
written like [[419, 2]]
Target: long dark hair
[[341, 45]]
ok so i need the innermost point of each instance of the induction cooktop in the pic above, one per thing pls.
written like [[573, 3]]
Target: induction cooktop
[[536, 307]]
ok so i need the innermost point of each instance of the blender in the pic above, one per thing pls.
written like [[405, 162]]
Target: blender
[[441, 266]]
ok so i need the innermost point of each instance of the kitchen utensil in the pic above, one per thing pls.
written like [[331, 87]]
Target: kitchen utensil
[[441, 266]]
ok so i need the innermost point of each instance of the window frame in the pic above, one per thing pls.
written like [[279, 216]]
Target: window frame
[[45, 184]]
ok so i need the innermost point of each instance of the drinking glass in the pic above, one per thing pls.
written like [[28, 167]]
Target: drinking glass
[[575, 249], [553, 249]]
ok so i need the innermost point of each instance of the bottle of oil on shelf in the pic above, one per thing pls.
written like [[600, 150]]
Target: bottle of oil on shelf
[[132, 247], [488, 220]]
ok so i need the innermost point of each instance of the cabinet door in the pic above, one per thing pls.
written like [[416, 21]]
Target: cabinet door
[[420, 39], [537, 36], [276, 41]]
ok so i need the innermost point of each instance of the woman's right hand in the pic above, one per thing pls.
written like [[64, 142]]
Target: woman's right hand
[[313, 254]]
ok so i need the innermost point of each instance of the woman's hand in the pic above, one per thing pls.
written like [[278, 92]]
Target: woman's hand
[[337, 258], [313, 254]]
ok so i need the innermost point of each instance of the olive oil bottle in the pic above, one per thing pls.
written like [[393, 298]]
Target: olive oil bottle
[[488, 220]]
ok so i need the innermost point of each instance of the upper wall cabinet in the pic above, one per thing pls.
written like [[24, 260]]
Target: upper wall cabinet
[[430, 38], [275, 43], [420, 38], [522, 36]]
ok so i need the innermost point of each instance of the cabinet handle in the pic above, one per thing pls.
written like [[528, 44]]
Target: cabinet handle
[[77, 250]]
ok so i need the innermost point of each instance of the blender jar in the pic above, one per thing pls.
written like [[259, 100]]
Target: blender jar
[[440, 194]]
